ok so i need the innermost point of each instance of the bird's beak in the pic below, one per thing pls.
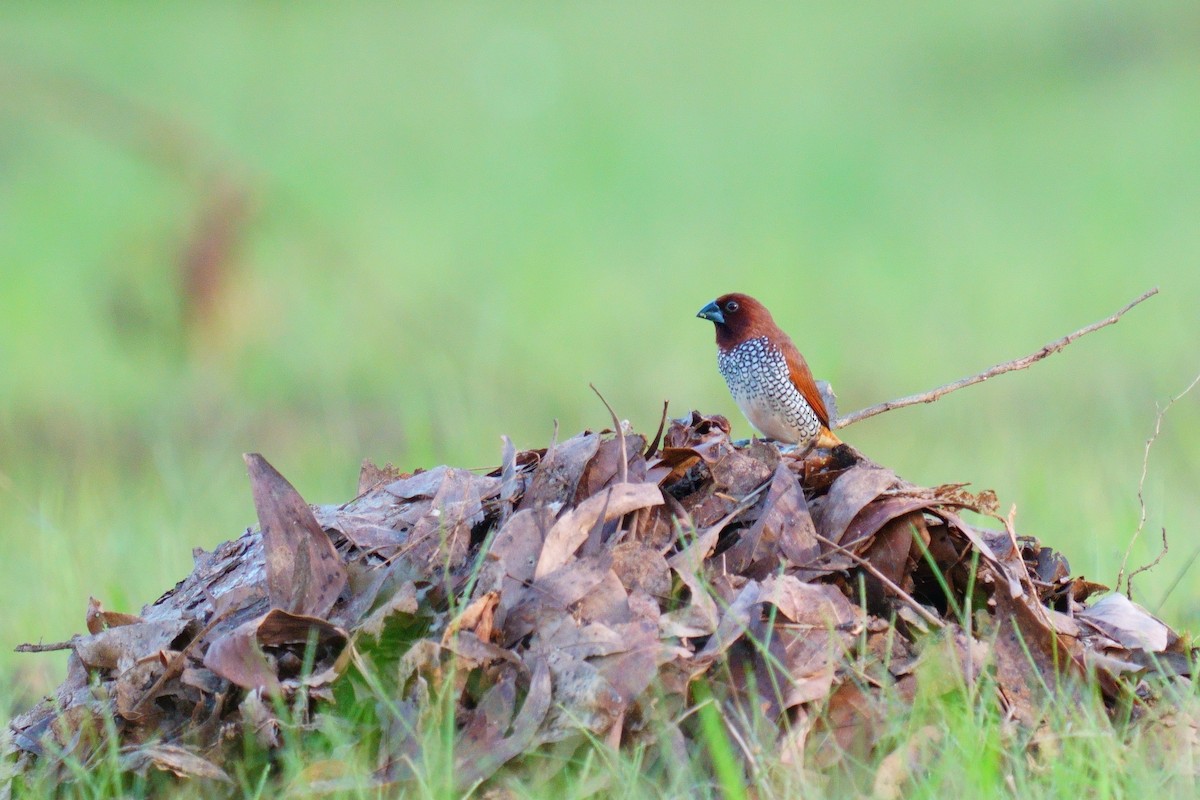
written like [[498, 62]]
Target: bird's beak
[[712, 313]]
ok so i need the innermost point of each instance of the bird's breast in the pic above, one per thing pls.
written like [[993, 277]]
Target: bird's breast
[[759, 380]]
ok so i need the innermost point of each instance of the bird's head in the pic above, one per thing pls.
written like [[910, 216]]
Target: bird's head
[[737, 318]]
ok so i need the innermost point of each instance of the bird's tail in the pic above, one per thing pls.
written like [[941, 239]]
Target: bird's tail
[[827, 438]]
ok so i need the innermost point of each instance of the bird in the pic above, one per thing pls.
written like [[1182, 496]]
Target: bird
[[767, 376]]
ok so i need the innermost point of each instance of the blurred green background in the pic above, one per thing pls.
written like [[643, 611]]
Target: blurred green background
[[330, 231]]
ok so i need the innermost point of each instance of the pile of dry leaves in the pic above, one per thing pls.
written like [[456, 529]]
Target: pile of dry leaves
[[586, 589]]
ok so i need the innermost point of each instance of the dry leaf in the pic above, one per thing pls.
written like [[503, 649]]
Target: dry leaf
[[304, 573], [572, 528]]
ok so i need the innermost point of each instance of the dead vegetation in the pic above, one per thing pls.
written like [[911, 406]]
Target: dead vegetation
[[597, 590]]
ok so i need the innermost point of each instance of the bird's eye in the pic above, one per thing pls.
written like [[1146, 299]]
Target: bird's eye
[[731, 307]]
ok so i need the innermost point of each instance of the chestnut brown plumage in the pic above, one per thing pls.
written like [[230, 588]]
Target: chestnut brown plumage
[[769, 379]]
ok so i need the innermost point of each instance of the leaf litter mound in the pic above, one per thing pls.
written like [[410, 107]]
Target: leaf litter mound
[[594, 590]]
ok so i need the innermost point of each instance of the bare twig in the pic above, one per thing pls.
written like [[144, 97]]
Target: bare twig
[[652, 448], [624, 468], [43, 648], [1158, 420], [175, 666], [999, 369], [1146, 567], [886, 581]]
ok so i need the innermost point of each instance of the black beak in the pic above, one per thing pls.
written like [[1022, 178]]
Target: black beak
[[712, 313]]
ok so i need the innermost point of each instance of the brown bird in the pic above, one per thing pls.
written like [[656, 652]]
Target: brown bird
[[769, 379]]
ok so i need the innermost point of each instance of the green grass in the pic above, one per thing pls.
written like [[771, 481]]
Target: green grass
[[465, 214]]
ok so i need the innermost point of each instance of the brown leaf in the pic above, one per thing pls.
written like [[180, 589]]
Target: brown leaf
[[608, 602], [700, 617], [549, 596], [894, 552], [98, 619], [132, 684], [279, 627], [304, 573], [443, 533], [1127, 623], [784, 531], [879, 513], [478, 617], [734, 622], [604, 468], [174, 759], [953, 494], [489, 720], [851, 725], [572, 528], [1030, 656], [473, 652], [583, 698], [556, 478], [513, 558], [476, 764], [238, 656], [811, 657], [848, 495], [995, 547], [642, 568], [815, 605], [365, 533], [823, 623], [121, 647], [403, 600], [671, 464], [699, 432], [739, 472], [631, 671], [371, 476]]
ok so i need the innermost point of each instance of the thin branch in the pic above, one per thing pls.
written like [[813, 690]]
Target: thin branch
[[43, 648], [1158, 420], [624, 469], [1146, 567], [999, 369]]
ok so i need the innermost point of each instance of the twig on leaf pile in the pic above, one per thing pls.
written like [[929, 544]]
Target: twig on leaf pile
[[1158, 420], [886, 581], [999, 369], [44, 648], [619, 429]]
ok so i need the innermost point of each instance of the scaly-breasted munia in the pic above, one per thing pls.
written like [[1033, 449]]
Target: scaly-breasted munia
[[769, 379]]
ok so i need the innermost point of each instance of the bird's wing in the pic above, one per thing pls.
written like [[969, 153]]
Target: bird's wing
[[802, 379]]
